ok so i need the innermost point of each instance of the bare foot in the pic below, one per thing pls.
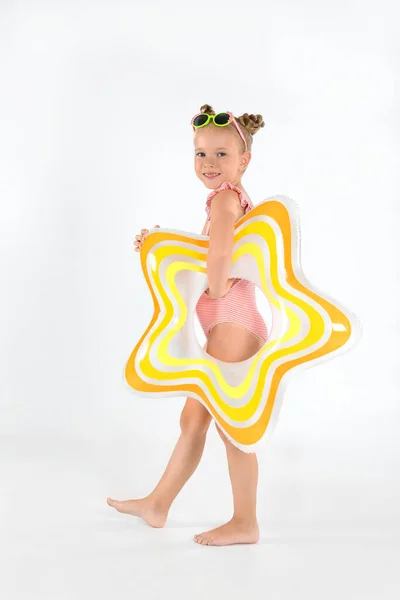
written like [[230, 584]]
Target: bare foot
[[143, 508], [233, 532]]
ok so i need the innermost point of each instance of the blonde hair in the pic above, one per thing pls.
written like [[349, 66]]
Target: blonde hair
[[249, 125]]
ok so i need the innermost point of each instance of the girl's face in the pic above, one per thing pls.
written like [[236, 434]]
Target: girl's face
[[217, 151]]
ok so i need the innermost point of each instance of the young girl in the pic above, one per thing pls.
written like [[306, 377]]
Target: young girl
[[229, 317]]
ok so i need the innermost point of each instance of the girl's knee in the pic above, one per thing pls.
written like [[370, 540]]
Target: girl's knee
[[195, 418]]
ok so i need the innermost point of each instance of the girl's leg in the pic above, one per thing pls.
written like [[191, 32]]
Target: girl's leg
[[233, 344], [243, 527], [243, 472], [194, 422], [154, 508]]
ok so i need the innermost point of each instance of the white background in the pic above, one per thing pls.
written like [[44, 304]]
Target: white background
[[95, 143]]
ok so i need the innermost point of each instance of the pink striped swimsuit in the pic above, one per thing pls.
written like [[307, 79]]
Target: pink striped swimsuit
[[238, 305]]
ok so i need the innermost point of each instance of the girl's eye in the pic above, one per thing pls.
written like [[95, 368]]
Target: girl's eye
[[224, 153]]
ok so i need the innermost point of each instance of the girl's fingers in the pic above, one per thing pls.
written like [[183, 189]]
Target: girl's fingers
[[140, 238]]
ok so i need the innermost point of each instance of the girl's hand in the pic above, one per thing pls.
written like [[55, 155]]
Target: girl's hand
[[228, 287], [141, 237]]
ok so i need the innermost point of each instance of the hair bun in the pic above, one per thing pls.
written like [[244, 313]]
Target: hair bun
[[207, 109], [251, 122]]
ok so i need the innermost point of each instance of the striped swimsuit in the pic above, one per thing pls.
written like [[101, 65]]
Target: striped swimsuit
[[238, 305]]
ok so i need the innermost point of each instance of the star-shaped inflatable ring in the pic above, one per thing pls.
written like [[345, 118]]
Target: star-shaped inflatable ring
[[244, 398]]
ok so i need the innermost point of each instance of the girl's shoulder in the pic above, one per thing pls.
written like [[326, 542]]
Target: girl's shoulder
[[244, 199]]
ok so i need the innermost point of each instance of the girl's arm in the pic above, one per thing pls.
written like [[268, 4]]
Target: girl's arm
[[225, 210]]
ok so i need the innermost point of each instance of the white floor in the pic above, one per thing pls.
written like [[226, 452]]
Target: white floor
[[326, 532]]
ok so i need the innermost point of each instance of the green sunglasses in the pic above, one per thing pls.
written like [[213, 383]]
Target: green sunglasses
[[220, 120]]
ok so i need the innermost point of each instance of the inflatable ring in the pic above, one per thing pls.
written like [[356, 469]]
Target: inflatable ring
[[245, 397]]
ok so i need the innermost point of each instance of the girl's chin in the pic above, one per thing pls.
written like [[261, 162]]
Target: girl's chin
[[213, 180]]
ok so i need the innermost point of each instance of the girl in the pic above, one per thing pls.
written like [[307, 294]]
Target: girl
[[228, 314]]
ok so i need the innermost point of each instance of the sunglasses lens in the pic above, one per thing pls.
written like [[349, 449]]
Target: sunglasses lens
[[222, 119], [200, 120]]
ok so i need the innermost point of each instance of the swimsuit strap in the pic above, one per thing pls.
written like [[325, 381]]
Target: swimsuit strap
[[244, 200]]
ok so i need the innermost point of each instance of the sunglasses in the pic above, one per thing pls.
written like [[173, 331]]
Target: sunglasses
[[220, 120]]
